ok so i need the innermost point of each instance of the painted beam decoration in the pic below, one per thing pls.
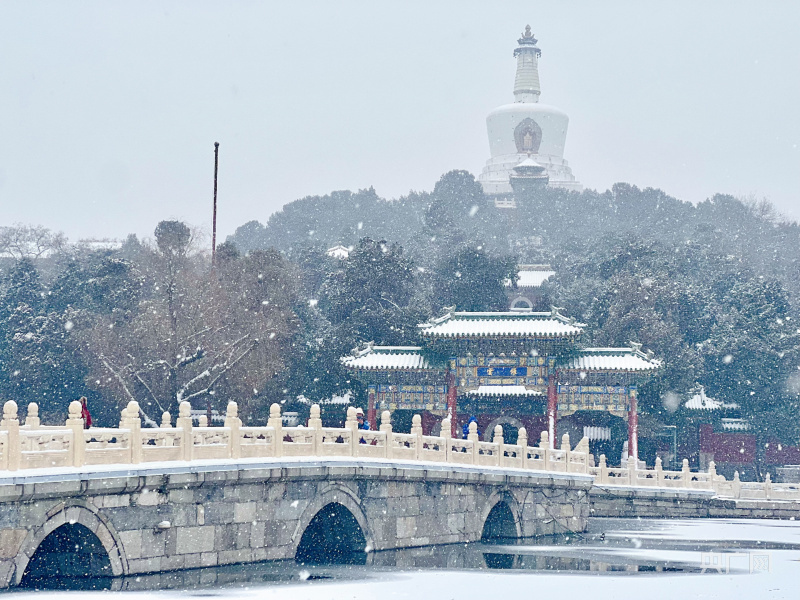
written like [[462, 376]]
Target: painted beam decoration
[[410, 397], [530, 371], [611, 398]]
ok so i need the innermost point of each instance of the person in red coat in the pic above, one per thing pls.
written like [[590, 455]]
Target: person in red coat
[[87, 416]]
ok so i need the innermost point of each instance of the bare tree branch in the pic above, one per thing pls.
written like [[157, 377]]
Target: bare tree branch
[[149, 391], [223, 372], [122, 383]]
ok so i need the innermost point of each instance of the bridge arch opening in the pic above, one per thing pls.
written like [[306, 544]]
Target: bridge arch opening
[[500, 523], [333, 537], [70, 557]]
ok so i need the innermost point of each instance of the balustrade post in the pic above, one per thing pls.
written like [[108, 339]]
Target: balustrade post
[[315, 423], [276, 422], [351, 423], [32, 418], [446, 432], [202, 421], [544, 447], [633, 465], [472, 436], [498, 439], [712, 475], [686, 473], [184, 423], [416, 431], [567, 452], [13, 453], [166, 420], [234, 424], [736, 485], [768, 487], [583, 449], [75, 424], [386, 428], [659, 472], [522, 441], [135, 426], [603, 469]]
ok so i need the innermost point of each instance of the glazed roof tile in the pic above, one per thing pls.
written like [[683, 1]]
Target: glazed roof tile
[[612, 359], [518, 324], [387, 357]]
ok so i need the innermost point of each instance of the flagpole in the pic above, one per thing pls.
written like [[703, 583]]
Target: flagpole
[[214, 220]]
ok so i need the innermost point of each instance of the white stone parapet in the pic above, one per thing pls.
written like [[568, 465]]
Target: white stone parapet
[[33, 446]]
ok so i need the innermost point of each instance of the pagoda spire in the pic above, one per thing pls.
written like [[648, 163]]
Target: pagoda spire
[[526, 84]]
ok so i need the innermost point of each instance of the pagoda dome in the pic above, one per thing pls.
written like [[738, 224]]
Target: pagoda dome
[[526, 128]]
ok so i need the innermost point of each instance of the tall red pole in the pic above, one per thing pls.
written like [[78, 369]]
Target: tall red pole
[[372, 418], [214, 219], [552, 407], [452, 396], [633, 426]]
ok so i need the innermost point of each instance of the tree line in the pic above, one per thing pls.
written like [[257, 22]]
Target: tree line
[[712, 289]]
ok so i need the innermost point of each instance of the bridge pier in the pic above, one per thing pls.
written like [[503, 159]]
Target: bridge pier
[[209, 513]]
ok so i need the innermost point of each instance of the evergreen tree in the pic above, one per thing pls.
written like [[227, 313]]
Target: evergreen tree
[[473, 280]]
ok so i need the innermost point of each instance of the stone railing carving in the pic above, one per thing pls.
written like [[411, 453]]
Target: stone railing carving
[[33, 446]]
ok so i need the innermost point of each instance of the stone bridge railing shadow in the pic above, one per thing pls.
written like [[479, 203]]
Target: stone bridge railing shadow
[[32, 446]]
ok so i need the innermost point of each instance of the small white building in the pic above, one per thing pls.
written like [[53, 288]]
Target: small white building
[[340, 252], [528, 293], [526, 130]]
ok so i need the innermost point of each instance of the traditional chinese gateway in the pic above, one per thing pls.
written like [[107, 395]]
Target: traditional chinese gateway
[[514, 368]]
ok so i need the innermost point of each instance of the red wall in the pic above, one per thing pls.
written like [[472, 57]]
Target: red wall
[[736, 448], [777, 454]]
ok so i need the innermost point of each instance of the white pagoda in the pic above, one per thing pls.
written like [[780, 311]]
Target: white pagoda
[[526, 131]]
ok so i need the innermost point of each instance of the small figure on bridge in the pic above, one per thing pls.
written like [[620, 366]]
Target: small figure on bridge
[[87, 416], [465, 429], [362, 423]]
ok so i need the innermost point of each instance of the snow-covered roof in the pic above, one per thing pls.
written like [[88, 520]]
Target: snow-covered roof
[[343, 399], [386, 357], [99, 244], [532, 276], [517, 323], [699, 401], [735, 425], [612, 359], [504, 390], [529, 162], [338, 252], [594, 432]]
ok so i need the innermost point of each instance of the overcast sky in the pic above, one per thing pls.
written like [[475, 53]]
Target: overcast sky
[[109, 109]]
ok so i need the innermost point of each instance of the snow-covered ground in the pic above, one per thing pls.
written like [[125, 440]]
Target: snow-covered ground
[[755, 559]]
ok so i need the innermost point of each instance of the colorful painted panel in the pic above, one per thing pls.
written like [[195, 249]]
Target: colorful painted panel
[[411, 397], [473, 371], [592, 397]]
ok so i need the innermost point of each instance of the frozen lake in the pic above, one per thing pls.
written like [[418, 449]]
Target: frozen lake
[[615, 558]]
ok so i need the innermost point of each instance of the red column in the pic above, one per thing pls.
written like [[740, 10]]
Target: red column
[[552, 407], [633, 426], [372, 417], [452, 395]]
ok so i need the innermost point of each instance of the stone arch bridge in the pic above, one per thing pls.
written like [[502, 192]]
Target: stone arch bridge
[[151, 519], [136, 501]]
